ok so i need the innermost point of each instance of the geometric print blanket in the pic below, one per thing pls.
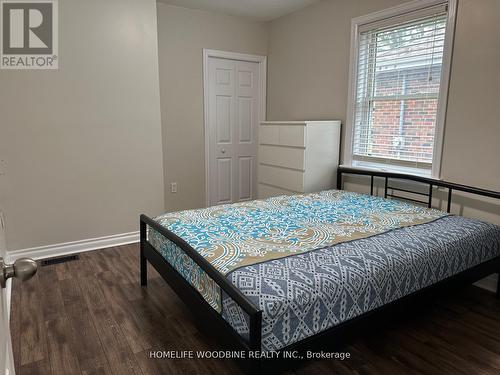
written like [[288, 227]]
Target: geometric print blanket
[[237, 235], [307, 293]]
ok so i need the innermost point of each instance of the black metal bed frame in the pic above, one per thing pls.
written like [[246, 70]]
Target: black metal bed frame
[[214, 322]]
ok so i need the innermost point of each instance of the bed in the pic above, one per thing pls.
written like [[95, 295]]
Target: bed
[[289, 272]]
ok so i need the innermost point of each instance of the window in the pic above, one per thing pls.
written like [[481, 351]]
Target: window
[[399, 78]]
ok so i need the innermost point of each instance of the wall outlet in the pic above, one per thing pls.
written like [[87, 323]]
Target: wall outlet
[[173, 187]]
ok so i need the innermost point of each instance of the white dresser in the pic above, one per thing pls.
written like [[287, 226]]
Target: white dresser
[[297, 156]]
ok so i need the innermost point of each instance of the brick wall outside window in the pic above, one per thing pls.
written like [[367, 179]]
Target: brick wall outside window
[[412, 136]]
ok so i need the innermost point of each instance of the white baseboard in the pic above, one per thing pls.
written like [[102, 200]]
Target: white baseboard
[[60, 249], [488, 283]]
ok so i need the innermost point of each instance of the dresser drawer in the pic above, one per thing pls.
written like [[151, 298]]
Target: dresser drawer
[[287, 157], [283, 178], [266, 191], [292, 135], [283, 135], [269, 135]]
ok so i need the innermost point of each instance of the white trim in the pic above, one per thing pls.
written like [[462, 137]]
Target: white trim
[[8, 295], [351, 98], [9, 360], [444, 89], [398, 10], [8, 290], [49, 251], [389, 168], [262, 60]]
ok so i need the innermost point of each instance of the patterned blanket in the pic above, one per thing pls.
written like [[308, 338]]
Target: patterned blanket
[[243, 234], [308, 293]]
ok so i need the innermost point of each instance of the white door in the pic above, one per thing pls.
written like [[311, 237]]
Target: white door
[[233, 118], [6, 360]]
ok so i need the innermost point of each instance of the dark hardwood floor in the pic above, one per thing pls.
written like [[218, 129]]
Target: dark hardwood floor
[[90, 316]]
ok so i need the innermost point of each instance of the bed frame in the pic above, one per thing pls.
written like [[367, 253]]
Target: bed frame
[[217, 325]]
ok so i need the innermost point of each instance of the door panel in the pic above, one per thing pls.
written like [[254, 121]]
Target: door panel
[[245, 171], [6, 360], [233, 97], [245, 78], [224, 171], [245, 120], [223, 119], [224, 76]]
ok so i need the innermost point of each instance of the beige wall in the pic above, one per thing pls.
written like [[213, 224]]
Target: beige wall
[[308, 61], [308, 79], [182, 35], [471, 144], [81, 145]]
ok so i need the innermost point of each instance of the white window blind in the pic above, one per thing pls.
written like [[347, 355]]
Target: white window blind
[[398, 79]]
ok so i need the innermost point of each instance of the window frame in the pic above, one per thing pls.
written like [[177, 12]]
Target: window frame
[[391, 16]]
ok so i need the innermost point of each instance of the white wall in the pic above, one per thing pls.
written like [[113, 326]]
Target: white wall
[[82, 145], [182, 35]]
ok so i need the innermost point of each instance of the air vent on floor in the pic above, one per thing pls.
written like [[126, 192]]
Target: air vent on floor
[[69, 258]]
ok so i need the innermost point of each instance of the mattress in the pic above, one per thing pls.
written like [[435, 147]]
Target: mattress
[[311, 262]]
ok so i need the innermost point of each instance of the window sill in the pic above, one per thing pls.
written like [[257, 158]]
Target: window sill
[[389, 168]]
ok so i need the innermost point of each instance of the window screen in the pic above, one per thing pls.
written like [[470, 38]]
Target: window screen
[[397, 91]]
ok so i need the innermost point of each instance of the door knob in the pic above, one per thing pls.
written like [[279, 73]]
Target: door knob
[[23, 269], [223, 150]]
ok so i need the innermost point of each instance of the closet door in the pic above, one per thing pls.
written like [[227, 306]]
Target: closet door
[[232, 125]]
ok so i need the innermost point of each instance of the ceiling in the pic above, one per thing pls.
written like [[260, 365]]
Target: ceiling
[[261, 10]]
